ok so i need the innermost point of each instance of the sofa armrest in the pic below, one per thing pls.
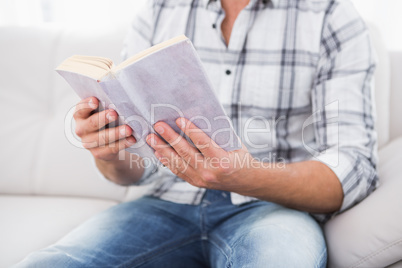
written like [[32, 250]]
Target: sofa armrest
[[370, 234]]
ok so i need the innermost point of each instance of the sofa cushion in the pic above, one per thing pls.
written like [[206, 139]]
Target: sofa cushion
[[370, 234], [31, 223], [396, 265]]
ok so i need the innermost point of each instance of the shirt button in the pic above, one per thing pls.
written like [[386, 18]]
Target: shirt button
[[214, 25], [228, 72]]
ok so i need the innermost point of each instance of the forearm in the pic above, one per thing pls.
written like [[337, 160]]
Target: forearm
[[309, 186], [124, 171]]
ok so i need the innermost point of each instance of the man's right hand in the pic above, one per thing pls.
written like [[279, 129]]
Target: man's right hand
[[104, 144]]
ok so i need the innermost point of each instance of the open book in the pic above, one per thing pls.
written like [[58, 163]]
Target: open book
[[161, 83]]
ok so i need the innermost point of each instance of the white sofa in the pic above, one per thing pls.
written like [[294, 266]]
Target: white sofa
[[48, 185]]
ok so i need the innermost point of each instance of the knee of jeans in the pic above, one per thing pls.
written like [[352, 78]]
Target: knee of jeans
[[52, 257], [290, 241]]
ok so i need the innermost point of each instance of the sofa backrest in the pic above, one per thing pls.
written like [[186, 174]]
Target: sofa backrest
[[36, 157], [395, 106], [382, 86]]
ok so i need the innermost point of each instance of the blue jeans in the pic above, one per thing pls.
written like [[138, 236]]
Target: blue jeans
[[150, 232]]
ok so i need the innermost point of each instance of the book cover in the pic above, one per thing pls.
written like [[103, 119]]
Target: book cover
[[166, 84]]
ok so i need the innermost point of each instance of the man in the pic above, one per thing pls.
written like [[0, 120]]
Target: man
[[295, 78]]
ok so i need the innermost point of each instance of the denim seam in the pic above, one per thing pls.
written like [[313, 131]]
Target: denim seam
[[322, 259], [203, 231], [139, 260], [203, 227], [223, 251]]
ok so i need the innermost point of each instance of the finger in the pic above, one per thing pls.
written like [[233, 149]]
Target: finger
[[160, 146], [179, 167], [85, 107], [201, 140], [95, 122], [179, 144], [111, 150], [99, 120], [106, 136]]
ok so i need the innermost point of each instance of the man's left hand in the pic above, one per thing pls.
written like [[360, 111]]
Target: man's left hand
[[206, 165]]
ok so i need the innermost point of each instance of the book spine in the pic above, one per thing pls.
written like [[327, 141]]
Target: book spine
[[86, 87]]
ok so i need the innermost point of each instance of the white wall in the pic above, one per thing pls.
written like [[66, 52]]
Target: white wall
[[92, 13], [68, 13], [386, 15]]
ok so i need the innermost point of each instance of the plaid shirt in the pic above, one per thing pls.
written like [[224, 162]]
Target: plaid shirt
[[296, 73]]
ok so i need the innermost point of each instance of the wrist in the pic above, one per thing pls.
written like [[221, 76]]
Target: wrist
[[124, 170], [252, 176]]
